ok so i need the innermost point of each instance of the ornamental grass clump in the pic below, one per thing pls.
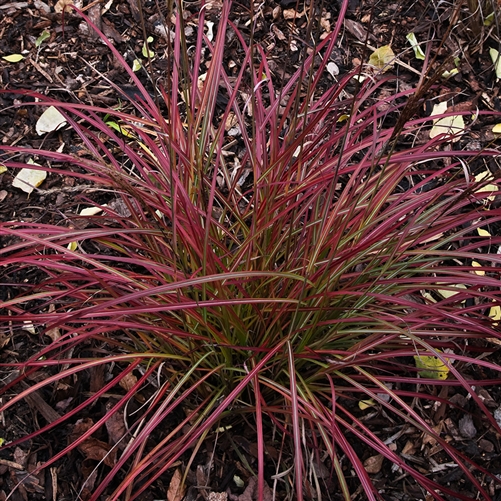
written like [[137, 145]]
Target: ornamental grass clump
[[320, 270]]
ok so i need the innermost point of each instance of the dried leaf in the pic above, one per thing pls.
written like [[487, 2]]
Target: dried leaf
[[64, 5], [176, 489], [453, 125], [291, 14], [115, 424], [128, 381], [90, 211], [29, 179], [54, 333], [374, 464], [92, 448]]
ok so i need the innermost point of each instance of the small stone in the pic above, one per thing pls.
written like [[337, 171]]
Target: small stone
[[485, 445]]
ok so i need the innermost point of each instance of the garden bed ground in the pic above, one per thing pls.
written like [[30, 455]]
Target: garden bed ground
[[72, 64]]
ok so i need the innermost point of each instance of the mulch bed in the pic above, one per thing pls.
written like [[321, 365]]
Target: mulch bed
[[71, 64]]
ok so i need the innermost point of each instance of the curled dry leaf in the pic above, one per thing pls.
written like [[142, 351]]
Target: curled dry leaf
[[176, 489], [128, 381], [115, 424], [374, 463], [91, 447]]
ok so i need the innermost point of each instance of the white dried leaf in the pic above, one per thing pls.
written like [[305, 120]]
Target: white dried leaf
[[333, 69], [210, 31], [453, 125], [51, 120], [29, 327], [29, 179], [90, 211]]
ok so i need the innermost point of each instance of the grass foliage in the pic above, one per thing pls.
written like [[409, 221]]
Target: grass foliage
[[276, 286]]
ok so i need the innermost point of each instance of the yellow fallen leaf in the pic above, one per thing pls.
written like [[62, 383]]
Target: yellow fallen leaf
[[476, 264], [490, 188], [483, 233], [13, 58], [72, 246], [382, 58], [447, 293], [432, 367], [495, 313], [365, 404], [497, 129], [2, 169]]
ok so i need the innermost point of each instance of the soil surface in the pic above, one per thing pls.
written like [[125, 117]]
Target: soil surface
[[64, 59]]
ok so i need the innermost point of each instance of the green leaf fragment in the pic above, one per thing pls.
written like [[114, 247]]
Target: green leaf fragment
[[489, 19], [448, 74], [145, 51], [118, 128], [136, 65], [415, 45], [496, 60], [41, 39], [432, 367]]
